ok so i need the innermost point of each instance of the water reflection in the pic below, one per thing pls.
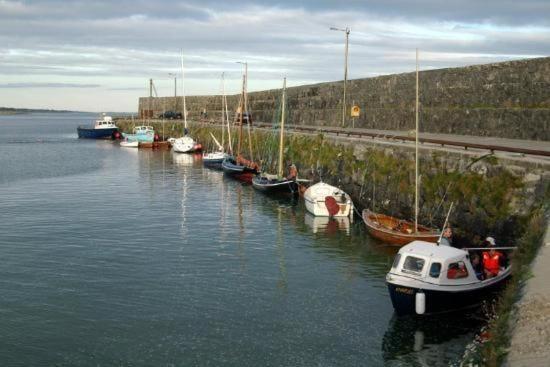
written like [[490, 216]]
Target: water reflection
[[437, 340], [327, 225]]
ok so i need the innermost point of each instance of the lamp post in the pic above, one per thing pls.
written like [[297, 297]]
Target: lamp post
[[347, 31], [175, 91]]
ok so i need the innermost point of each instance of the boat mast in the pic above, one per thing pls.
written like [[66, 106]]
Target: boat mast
[[227, 119], [281, 135], [223, 121], [416, 155], [248, 119], [241, 107], [183, 95]]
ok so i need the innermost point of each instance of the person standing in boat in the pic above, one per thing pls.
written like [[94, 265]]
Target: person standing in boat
[[491, 259], [447, 237], [292, 172]]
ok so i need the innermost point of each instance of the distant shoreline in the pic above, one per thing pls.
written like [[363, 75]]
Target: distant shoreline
[[18, 111]]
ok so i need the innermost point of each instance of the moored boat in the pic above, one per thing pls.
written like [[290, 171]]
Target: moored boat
[[145, 134], [129, 144], [102, 129], [214, 160], [325, 200], [239, 168], [186, 144], [426, 278], [277, 184], [396, 231]]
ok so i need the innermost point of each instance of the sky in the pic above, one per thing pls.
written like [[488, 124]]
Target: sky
[[99, 55]]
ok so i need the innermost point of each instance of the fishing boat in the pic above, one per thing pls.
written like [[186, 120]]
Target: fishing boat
[[144, 134], [325, 200], [239, 167], [427, 278], [104, 128], [185, 144], [277, 184], [396, 231]]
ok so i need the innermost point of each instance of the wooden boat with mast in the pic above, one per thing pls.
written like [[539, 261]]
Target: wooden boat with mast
[[272, 184], [239, 167], [397, 231]]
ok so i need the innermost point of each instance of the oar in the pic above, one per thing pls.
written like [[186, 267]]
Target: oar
[[445, 224]]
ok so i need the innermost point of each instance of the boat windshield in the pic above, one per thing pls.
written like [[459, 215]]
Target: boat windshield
[[413, 265]]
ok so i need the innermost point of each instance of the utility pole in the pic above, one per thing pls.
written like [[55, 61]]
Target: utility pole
[[347, 30]]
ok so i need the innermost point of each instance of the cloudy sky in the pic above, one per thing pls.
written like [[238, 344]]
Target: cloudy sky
[[98, 55]]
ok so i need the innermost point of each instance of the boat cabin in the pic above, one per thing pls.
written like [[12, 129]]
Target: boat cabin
[[105, 123], [144, 130], [430, 263]]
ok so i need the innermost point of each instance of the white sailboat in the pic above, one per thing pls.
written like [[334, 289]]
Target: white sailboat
[[215, 159], [185, 144]]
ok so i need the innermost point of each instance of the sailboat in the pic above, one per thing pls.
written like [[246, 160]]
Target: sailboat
[[397, 231], [239, 167], [185, 144], [215, 159], [277, 183]]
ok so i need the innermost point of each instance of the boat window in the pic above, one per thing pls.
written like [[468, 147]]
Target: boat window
[[457, 270], [413, 265], [435, 270], [396, 261]]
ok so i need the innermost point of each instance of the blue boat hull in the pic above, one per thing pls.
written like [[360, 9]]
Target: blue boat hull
[[91, 133], [213, 163], [274, 186]]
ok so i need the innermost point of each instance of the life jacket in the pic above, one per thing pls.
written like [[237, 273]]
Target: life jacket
[[491, 263]]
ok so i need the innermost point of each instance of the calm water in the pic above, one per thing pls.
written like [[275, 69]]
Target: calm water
[[125, 257]]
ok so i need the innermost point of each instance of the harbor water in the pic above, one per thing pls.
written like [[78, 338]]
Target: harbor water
[[113, 256]]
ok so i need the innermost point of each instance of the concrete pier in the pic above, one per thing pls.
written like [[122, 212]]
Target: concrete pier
[[531, 333]]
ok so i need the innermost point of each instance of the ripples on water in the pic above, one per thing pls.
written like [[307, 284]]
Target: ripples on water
[[114, 256]]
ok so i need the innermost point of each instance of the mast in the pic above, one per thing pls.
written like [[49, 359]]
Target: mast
[[416, 154], [281, 135], [183, 94], [223, 121], [248, 119], [241, 107], [227, 119]]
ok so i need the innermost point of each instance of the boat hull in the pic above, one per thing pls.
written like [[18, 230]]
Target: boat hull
[[315, 198], [403, 298], [275, 186], [212, 163], [237, 171], [91, 133], [393, 231]]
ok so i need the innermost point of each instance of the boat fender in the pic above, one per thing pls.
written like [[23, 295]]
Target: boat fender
[[420, 303], [332, 206], [116, 135], [156, 137]]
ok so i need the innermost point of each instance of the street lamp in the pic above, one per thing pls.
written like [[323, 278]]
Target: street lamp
[[175, 91], [347, 30]]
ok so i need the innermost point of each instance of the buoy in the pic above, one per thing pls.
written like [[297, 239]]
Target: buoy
[[420, 303], [156, 137]]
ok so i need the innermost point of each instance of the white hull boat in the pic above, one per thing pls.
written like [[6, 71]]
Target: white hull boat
[[185, 144], [324, 200], [426, 278], [129, 144]]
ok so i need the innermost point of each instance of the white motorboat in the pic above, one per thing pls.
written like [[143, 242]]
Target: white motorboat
[[427, 278], [325, 200], [129, 144], [185, 144]]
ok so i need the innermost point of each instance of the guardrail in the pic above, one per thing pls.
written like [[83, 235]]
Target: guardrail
[[365, 134]]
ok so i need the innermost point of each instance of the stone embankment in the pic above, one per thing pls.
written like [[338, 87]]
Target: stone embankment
[[507, 100]]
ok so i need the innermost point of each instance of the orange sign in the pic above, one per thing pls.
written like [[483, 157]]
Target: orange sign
[[355, 111]]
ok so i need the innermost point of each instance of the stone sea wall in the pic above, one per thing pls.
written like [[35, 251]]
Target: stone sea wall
[[507, 99]]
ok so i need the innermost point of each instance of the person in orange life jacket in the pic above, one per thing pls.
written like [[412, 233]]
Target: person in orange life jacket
[[491, 259], [457, 271]]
